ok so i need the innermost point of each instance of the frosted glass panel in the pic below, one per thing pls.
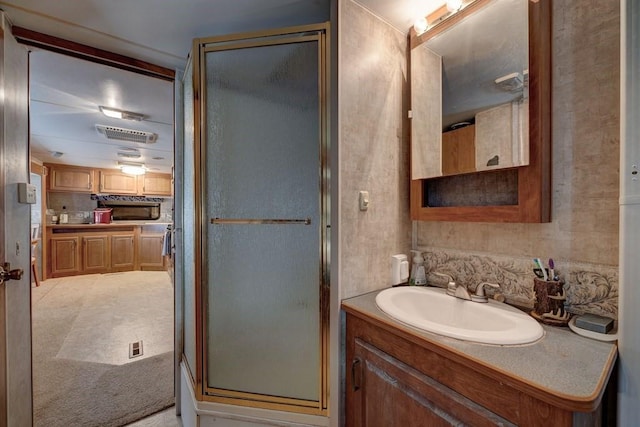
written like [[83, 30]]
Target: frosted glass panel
[[263, 162], [188, 216]]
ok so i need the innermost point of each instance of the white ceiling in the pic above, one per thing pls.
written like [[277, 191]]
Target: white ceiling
[[66, 92]]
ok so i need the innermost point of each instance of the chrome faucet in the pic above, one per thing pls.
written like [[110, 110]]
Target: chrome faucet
[[455, 289]]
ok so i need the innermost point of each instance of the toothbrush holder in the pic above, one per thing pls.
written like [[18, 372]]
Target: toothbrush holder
[[549, 307]]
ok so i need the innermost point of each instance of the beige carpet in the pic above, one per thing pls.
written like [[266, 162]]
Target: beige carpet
[[82, 327]]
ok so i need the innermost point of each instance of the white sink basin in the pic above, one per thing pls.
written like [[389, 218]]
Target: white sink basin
[[432, 310]]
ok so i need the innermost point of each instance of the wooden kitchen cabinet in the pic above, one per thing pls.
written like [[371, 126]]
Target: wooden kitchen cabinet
[[112, 181], [150, 252], [155, 184], [123, 252], [65, 256], [95, 254], [66, 178]]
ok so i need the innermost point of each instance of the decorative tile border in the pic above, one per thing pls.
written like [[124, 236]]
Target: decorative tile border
[[590, 288]]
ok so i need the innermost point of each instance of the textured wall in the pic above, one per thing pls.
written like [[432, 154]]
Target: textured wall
[[373, 149], [585, 136]]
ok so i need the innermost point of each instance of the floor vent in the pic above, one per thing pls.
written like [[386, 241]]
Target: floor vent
[[135, 349]]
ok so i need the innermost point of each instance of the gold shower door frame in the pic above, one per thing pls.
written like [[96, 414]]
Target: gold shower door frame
[[306, 33]]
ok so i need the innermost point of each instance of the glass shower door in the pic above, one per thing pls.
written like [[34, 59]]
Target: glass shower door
[[264, 241]]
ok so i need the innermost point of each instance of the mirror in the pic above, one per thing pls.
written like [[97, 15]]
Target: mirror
[[470, 91]]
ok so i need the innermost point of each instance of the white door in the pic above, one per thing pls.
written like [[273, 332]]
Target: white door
[[15, 244]]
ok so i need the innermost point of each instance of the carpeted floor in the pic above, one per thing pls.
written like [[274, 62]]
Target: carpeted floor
[[82, 327]]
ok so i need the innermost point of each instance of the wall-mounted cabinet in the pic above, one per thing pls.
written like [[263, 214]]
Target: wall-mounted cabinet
[[155, 184], [77, 179], [112, 181], [71, 179], [515, 136]]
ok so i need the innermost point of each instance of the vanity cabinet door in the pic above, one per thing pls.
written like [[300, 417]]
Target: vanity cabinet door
[[387, 392]]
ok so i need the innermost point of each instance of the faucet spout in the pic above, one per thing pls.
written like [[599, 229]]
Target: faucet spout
[[462, 292]]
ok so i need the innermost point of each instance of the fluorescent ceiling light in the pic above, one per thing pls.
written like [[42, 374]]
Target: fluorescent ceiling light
[[115, 113], [132, 168]]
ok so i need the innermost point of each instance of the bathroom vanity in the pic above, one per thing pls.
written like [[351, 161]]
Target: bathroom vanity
[[399, 375]]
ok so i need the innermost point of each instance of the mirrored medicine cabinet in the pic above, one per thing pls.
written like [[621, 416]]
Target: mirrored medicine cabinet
[[480, 102]]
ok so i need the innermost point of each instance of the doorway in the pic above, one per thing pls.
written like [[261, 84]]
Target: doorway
[[102, 315]]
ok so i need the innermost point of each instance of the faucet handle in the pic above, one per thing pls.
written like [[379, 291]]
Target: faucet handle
[[479, 295], [451, 284]]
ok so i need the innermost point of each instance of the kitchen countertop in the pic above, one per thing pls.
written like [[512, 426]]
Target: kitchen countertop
[[112, 224], [561, 363]]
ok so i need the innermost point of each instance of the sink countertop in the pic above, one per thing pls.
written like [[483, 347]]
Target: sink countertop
[[561, 363]]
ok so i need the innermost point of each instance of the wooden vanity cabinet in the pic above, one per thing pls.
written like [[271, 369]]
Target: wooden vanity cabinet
[[397, 379]]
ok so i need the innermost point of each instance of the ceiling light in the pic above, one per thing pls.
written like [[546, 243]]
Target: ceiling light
[[132, 168], [454, 5], [421, 25], [56, 154], [129, 155], [115, 113]]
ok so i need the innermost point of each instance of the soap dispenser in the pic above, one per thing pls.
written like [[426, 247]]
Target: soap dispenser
[[418, 272]]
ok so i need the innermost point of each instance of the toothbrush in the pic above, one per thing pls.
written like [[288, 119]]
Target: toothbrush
[[538, 264], [552, 273]]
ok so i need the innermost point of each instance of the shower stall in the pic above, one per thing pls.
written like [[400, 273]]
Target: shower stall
[[256, 219]]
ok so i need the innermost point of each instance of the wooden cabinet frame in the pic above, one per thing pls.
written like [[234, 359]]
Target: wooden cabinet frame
[[534, 180]]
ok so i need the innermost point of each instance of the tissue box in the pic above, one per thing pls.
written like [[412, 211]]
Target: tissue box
[[594, 323]]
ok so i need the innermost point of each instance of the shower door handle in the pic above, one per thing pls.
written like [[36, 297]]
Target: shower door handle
[[306, 221]]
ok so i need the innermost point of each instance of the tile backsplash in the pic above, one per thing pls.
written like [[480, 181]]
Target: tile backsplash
[[590, 288]]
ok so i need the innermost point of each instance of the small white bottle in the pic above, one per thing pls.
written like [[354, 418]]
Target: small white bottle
[[64, 216], [418, 272]]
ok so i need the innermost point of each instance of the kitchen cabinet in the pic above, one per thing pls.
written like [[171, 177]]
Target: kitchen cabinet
[[65, 256], [66, 178], [155, 184], [95, 254], [123, 252], [113, 181], [398, 376], [150, 252]]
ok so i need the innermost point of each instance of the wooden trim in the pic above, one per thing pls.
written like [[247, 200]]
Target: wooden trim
[[534, 180], [83, 51], [556, 399]]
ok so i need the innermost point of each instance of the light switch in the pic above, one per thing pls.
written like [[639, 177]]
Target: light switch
[[26, 193], [364, 200]]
